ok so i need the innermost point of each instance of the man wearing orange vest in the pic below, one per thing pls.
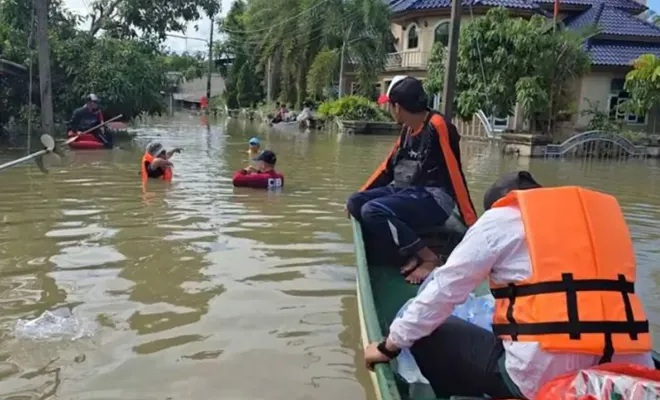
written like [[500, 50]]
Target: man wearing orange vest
[[419, 183], [156, 162], [562, 270]]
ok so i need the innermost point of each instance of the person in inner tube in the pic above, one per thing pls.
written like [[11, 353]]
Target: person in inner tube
[[159, 164], [262, 177]]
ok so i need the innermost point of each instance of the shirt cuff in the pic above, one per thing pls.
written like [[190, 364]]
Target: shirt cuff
[[398, 340]]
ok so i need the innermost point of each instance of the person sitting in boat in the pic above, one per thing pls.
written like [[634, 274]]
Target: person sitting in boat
[[253, 147], [156, 162], [280, 113], [418, 184], [262, 177], [89, 116], [561, 267]]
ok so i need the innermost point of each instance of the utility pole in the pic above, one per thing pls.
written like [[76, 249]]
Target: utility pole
[[269, 82], [449, 88], [41, 10], [208, 81]]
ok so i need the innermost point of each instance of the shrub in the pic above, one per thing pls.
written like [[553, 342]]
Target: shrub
[[353, 108]]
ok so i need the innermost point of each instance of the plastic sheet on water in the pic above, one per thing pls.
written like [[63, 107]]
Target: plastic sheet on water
[[476, 309], [56, 325]]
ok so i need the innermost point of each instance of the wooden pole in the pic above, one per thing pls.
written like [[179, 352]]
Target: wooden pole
[[269, 82], [43, 47], [449, 88], [208, 80]]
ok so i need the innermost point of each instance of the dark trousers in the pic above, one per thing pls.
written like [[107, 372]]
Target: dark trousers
[[392, 215], [462, 359]]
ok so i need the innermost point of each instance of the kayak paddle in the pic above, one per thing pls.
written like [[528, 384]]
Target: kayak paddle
[[73, 139], [49, 146]]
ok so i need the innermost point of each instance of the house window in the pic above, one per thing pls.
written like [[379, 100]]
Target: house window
[[617, 109], [413, 37], [355, 88], [441, 33]]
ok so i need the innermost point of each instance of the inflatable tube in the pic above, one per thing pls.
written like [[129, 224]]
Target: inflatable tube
[[86, 141]]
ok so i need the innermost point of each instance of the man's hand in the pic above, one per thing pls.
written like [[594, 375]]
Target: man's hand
[[372, 356], [249, 169]]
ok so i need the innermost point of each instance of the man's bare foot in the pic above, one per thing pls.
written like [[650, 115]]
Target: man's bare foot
[[410, 266], [420, 273]]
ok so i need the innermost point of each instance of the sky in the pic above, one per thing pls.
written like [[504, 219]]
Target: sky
[[175, 44]]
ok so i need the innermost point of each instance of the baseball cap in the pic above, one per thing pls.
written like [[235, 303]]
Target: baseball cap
[[519, 180], [268, 157], [92, 97], [254, 141], [406, 91]]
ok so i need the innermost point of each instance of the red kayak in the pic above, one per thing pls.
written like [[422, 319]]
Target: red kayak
[[86, 141]]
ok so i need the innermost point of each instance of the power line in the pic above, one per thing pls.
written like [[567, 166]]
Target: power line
[[274, 25]]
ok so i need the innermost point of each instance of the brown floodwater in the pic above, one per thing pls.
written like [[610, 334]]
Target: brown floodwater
[[198, 290]]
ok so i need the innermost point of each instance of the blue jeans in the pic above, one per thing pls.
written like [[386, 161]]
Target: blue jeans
[[392, 215]]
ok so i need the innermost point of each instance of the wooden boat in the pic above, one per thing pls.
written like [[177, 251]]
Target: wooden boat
[[381, 292]]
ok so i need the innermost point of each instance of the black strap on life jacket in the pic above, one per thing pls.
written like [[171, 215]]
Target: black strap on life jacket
[[573, 327]]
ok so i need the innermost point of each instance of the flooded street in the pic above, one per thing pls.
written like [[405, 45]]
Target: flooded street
[[198, 290]]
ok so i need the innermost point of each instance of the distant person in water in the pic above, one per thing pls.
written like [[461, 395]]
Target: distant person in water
[[262, 177], [156, 162], [254, 147]]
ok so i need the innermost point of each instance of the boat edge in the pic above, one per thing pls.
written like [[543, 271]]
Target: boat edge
[[382, 377]]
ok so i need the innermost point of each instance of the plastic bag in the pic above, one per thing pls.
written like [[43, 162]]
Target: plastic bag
[[59, 324], [476, 309], [604, 382]]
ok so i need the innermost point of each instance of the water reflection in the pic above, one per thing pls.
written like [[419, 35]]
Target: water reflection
[[201, 290]]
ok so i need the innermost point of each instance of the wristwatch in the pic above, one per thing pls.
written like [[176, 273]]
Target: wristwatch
[[387, 352]]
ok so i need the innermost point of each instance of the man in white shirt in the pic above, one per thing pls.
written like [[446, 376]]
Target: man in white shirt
[[459, 358]]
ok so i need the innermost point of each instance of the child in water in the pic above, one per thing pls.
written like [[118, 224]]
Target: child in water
[[253, 147]]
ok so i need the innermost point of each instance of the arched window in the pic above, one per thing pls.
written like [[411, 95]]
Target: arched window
[[441, 33], [413, 37]]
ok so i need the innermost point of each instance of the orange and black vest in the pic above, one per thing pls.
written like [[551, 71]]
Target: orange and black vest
[[148, 158], [581, 295], [450, 174]]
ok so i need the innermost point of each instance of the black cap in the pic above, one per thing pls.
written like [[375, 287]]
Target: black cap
[[520, 180], [406, 91], [268, 157]]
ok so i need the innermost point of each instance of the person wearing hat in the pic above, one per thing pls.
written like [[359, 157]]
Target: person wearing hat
[[419, 183], [561, 267], [262, 177], [89, 116], [156, 162], [253, 147]]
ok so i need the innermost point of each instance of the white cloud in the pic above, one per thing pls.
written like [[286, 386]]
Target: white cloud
[[196, 29]]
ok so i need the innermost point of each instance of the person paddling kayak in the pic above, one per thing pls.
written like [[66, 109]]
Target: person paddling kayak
[[418, 184], [561, 267], [156, 162], [89, 116]]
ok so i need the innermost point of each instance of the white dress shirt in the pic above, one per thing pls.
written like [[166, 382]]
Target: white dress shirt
[[494, 247]]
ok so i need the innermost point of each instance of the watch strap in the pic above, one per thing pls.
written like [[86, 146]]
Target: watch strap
[[387, 352]]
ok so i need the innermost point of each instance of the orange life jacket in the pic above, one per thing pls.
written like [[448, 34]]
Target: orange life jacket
[[148, 158], [581, 295]]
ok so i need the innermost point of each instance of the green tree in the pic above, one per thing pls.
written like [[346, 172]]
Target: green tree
[[643, 85], [149, 18], [323, 73], [435, 79], [503, 61]]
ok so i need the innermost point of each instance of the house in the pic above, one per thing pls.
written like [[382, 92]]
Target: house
[[623, 36]]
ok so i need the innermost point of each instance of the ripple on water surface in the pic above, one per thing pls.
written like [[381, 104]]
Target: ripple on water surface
[[200, 290]]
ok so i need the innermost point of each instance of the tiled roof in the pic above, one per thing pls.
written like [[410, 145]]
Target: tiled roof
[[619, 53], [397, 6], [623, 4], [613, 21]]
